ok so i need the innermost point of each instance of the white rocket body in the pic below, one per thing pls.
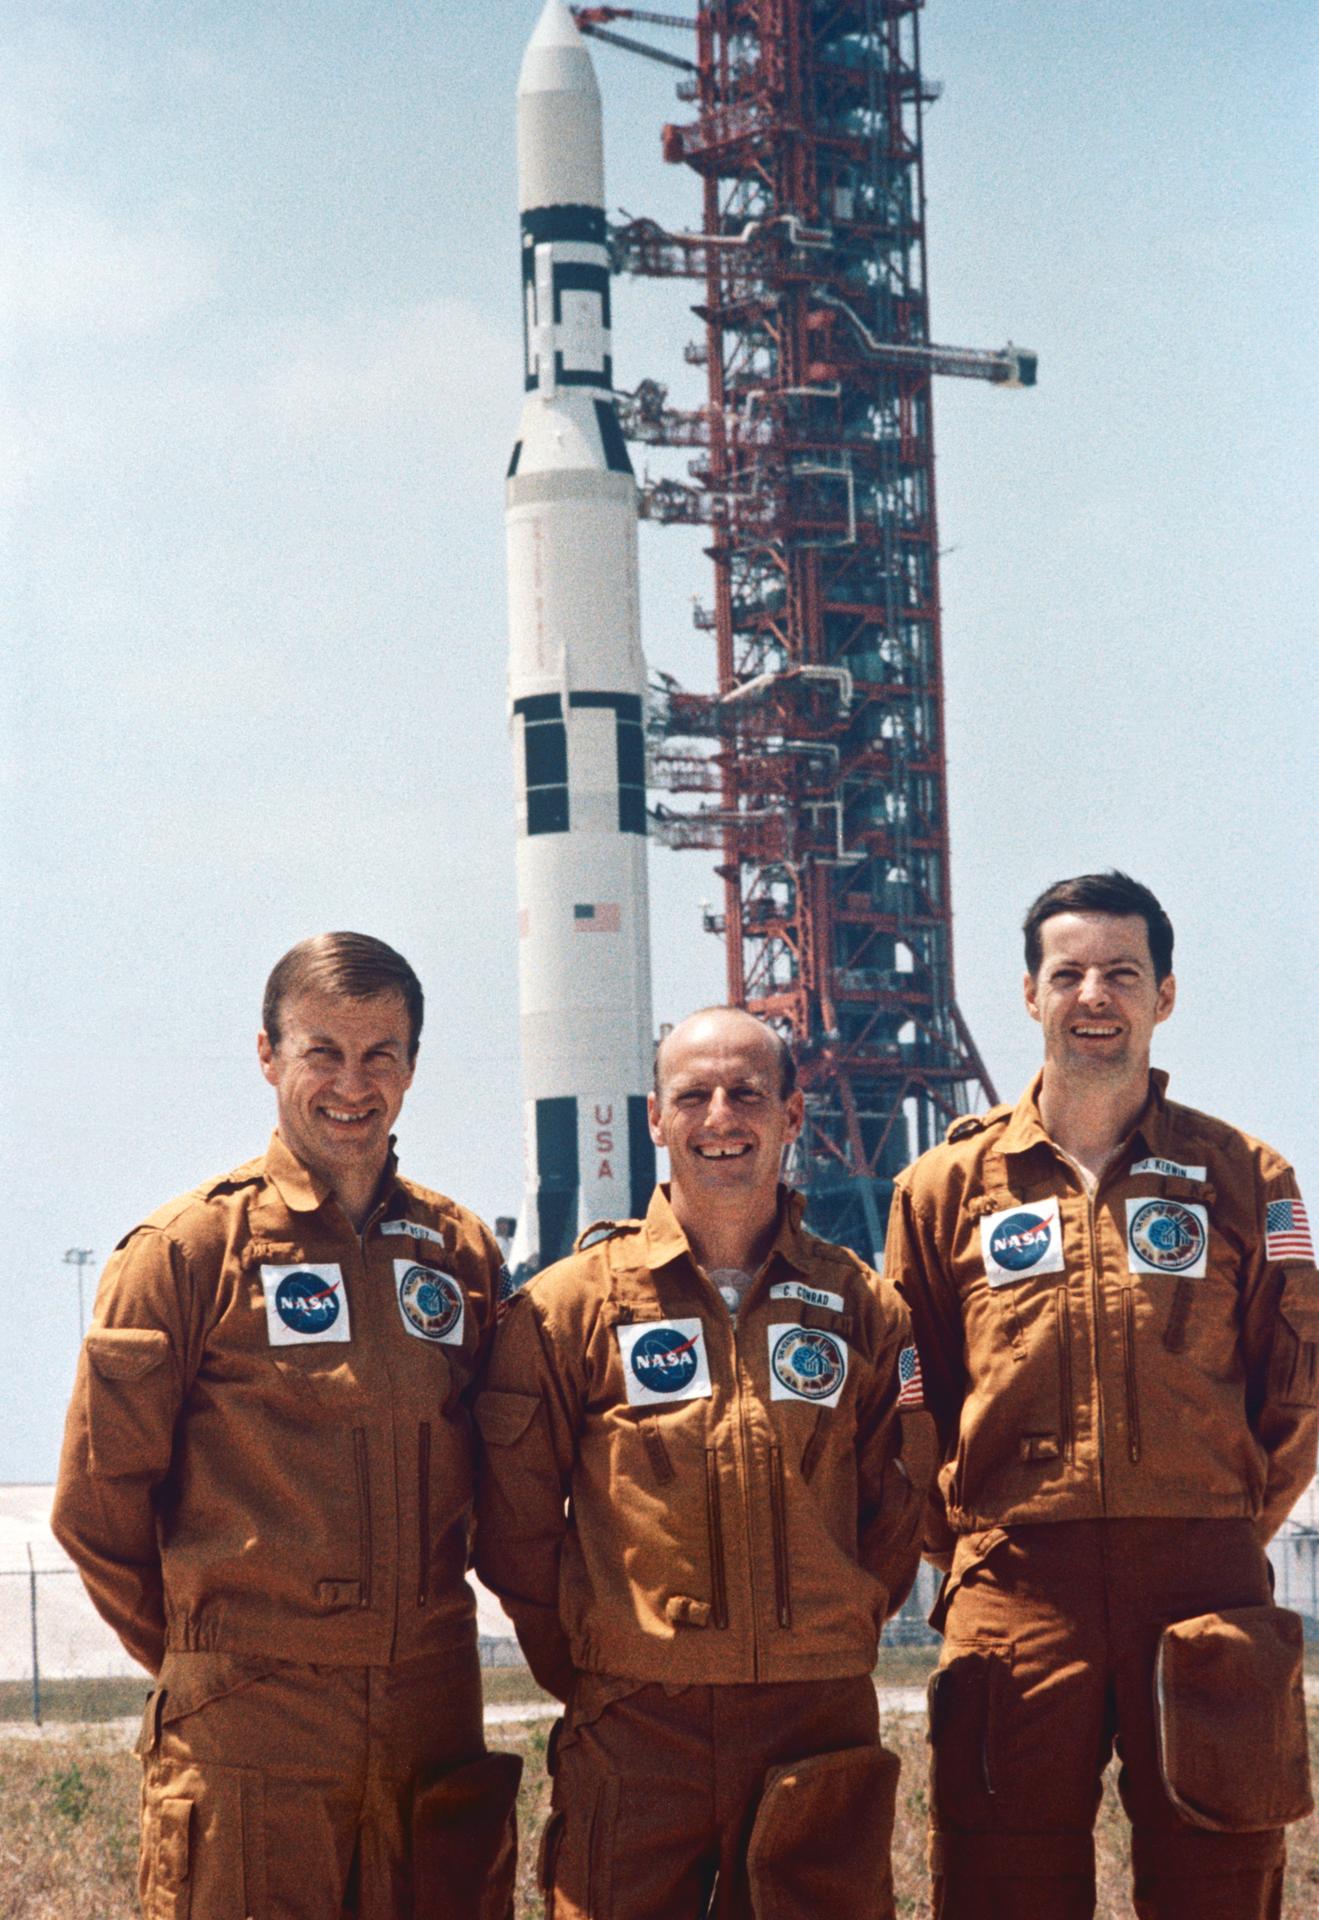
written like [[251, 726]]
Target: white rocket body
[[577, 683]]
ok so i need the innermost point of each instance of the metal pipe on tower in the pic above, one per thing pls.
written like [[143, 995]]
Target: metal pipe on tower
[[577, 682]]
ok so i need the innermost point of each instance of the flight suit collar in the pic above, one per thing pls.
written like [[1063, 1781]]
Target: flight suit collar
[[664, 1240], [1026, 1129], [303, 1191]]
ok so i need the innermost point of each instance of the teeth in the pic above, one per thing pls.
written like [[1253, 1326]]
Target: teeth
[[333, 1114], [1096, 1033], [720, 1153]]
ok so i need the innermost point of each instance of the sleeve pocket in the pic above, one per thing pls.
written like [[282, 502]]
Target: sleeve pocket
[[504, 1417], [129, 1412], [1294, 1364]]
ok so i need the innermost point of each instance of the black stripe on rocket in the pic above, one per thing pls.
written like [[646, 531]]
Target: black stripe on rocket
[[545, 749], [558, 1172]]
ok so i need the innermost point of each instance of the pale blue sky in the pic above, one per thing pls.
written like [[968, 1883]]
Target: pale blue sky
[[261, 338]]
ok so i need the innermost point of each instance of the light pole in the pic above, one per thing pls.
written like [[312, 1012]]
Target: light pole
[[79, 1257]]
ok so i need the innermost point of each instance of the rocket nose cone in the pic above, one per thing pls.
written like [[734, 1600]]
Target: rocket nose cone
[[556, 59]]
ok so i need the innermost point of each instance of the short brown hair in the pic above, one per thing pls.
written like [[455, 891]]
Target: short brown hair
[[1111, 892], [350, 965], [786, 1059]]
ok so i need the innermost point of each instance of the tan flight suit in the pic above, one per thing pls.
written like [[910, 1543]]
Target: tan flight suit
[[1126, 1386], [740, 1523], [266, 1483]]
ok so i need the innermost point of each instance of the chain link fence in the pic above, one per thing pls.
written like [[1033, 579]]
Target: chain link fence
[[51, 1637]]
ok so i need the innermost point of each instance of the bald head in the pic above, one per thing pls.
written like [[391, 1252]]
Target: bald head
[[723, 1026]]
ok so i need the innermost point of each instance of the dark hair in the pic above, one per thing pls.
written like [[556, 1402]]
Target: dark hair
[[1110, 892], [350, 965], [787, 1062]]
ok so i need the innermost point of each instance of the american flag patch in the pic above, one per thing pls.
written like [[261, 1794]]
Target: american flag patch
[[600, 916], [1287, 1231], [911, 1387]]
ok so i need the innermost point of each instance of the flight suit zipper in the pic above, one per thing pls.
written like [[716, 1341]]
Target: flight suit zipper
[[778, 1515], [424, 1512], [363, 1516], [1064, 1325], [1095, 1305], [1129, 1366], [715, 1528]]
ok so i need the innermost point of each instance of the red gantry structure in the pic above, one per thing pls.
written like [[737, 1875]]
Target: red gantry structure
[[817, 769]]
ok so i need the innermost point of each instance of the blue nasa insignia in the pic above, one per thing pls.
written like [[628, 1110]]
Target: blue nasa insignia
[[1022, 1239], [664, 1361], [305, 1304]]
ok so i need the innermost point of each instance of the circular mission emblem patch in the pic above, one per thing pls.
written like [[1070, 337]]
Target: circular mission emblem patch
[[431, 1301], [808, 1363], [1167, 1235], [1021, 1240], [306, 1304], [663, 1361]]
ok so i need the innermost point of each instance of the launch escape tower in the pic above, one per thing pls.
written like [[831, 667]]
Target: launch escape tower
[[817, 770]]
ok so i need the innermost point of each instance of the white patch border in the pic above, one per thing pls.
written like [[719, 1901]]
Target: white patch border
[[779, 1389], [454, 1337], [638, 1393], [1136, 1261], [1053, 1260], [278, 1332]]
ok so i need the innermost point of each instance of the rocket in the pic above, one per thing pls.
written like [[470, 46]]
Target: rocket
[[577, 682]]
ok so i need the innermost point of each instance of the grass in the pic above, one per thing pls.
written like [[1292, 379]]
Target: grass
[[68, 1816]]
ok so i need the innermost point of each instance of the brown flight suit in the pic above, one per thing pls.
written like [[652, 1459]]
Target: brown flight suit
[[698, 1527], [266, 1483], [1126, 1385]]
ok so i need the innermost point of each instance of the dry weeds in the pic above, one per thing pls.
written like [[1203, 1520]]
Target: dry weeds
[[68, 1822]]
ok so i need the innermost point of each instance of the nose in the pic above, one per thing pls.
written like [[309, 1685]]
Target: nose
[[353, 1081], [720, 1110], [1094, 988]]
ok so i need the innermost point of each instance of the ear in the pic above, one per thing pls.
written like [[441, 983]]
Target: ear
[[1167, 998], [1032, 1000], [795, 1112], [265, 1053], [654, 1120]]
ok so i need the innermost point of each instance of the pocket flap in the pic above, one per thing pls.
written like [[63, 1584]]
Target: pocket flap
[[504, 1417], [126, 1353], [1231, 1727], [1299, 1305], [189, 1680]]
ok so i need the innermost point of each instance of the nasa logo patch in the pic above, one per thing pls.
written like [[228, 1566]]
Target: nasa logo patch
[[1167, 1236], [431, 1303], [1022, 1240], [806, 1364], [305, 1305], [664, 1361]]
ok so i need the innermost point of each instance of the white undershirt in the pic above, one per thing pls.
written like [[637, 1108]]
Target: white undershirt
[[732, 1285]]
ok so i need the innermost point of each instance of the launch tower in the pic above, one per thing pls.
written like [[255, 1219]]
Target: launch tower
[[817, 770]]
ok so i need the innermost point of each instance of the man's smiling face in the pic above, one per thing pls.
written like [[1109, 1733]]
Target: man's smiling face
[[720, 1110], [1095, 993], [340, 1072]]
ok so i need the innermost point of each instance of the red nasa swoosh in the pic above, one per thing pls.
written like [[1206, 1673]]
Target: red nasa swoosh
[[310, 1299]]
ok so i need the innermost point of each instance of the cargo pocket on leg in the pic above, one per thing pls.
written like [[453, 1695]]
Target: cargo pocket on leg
[[1230, 1719], [166, 1876], [962, 1697], [822, 1836], [464, 1841]]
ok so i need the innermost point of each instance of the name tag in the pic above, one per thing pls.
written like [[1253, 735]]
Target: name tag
[[413, 1230], [664, 1361], [1167, 1236], [431, 1302], [305, 1305], [1022, 1240], [811, 1296], [1170, 1170], [805, 1363]]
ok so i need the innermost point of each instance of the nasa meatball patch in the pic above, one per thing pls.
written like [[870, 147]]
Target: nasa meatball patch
[[305, 1304], [1021, 1241], [806, 1363], [664, 1361], [1167, 1236], [431, 1303]]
